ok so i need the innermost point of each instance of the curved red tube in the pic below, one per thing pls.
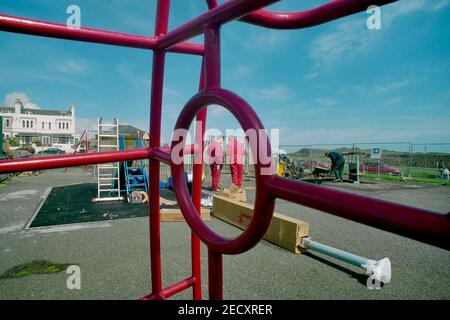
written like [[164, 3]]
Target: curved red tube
[[309, 18], [264, 203]]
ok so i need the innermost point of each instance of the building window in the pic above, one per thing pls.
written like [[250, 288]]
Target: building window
[[31, 124], [7, 123], [49, 126], [42, 125], [23, 123], [28, 124]]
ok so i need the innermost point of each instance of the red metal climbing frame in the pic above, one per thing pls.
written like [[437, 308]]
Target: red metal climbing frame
[[422, 225]]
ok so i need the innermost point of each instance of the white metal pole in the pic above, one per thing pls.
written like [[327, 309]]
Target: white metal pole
[[381, 269]]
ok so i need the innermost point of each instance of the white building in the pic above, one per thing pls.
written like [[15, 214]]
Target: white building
[[38, 125]]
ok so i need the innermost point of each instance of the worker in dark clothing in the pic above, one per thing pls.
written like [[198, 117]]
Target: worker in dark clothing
[[337, 164]]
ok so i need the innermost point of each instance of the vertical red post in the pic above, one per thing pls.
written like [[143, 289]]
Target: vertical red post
[[197, 181], [212, 79], [215, 275], [162, 21], [197, 193]]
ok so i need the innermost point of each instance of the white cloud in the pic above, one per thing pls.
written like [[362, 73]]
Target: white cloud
[[269, 39], [439, 4], [352, 37], [326, 102], [172, 92], [86, 123], [127, 72], [409, 131], [392, 86], [11, 98], [217, 111], [71, 66], [312, 75], [273, 93]]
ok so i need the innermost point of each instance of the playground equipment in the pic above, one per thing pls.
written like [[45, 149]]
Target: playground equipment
[[426, 226], [108, 174], [135, 172], [84, 139]]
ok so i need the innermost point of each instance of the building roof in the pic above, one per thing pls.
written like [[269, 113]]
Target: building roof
[[42, 112], [6, 109], [129, 130]]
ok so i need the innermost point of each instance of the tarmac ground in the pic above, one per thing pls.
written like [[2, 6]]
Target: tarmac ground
[[113, 255]]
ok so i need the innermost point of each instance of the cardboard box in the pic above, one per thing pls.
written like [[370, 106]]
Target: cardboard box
[[175, 215], [284, 231]]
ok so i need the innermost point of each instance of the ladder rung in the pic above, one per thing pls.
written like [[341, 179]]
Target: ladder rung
[[108, 178], [108, 167], [108, 190], [107, 146]]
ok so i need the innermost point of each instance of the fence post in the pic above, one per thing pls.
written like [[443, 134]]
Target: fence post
[[426, 160], [410, 159], [1, 138]]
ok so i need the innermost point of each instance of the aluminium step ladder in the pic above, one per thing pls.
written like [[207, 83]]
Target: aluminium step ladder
[[108, 174]]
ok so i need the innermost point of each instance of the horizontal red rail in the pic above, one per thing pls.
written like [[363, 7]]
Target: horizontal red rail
[[61, 31], [173, 289], [73, 160], [178, 287], [423, 225], [309, 18]]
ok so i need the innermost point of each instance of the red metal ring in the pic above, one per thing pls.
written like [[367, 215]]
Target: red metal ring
[[264, 202]]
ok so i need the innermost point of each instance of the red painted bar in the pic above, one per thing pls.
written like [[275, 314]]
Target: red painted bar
[[73, 160], [197, 189], [423, 225], [221, 14], [212, 57], [161, 26], [162, 155], [215, 275], [61, 31], [305, 19], [211, 4], [179, 286]]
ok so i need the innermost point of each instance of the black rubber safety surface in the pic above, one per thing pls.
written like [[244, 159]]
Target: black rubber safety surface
[[73, 204]]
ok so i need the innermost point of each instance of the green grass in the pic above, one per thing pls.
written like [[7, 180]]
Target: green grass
[[372, 176], [5, 181], [34, 267]]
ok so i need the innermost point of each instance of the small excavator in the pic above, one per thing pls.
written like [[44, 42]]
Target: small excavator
[[289, 168]]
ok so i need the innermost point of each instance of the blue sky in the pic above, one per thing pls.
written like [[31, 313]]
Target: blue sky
[[335, 83]]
